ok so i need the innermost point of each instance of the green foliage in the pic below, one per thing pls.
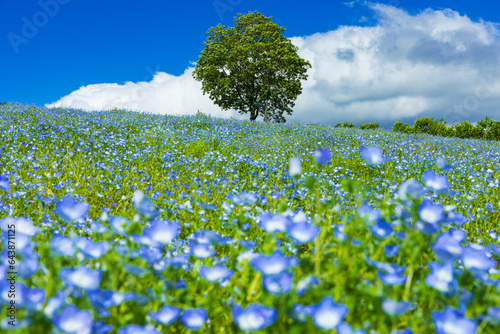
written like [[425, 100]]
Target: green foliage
[[3, 103], [369, 126], [401, 127], [344, 125], [250, 62], [487, 128]]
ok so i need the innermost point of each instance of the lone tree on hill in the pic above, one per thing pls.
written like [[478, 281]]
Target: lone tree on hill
[[251, 67]]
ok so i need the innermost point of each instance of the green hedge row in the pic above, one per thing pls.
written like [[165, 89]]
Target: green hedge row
[[487, 128]]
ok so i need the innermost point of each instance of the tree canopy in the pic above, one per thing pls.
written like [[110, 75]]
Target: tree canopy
[[249, 63]]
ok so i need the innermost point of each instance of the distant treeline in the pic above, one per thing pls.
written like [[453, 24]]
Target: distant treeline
[[487, 128]]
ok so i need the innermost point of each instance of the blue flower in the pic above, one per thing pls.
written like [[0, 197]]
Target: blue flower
[[328, 315], [161, 233], [447, 248], [200, 251], [389, 273], [215, 273], [372, 155], [434, 181], [391, 250], [4, 183], [254, 317], [90, 249], [430, 212], [295, 169], [392, 307], [119, 224], [449, 322], [301, 233], [137, 329], [167, 315], [194, 319], [70, 210], [410, 189], [441, 164], [381, 229], [144, 205], [54, 304], [476, 259], [272, 265], [278, 284], [322, 156], [81, 277], [493, 316], [73, 321], [441, 277], [370, 215], [305, 284], [274, 223]]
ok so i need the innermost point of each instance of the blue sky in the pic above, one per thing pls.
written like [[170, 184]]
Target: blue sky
[[80, 43]]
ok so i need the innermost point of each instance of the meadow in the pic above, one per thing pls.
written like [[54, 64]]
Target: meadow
[[127, 222]]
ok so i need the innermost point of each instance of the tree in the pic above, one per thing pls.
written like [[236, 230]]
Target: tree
[[249, 63]]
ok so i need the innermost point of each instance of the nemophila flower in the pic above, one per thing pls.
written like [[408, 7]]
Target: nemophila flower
[[441, 164], [410, 189], [391, 250], [489, 207], [81, 277], [100, 327], [248, 244], [368, 213], [493, 316], [338, 232], [392, 307], [278, 284], [119, 224], [302, 233], [476, 259], [4, 183], [300, 312], [273, 264], [305, 284], [161, 233], [206, 206], [61, 245], [70, 210], [295, 169], [254, 317], [137, 329], [495, 249], [430, 212], [211, 237], [200, 251], [102, 299], [434, 181], [447, 248], [450, 322], [274, 223], [441, 277], [54, 304], [372, 155], [144, 205], [194, 319], [327, 314], [90, 249], [388, 273], [215, 273], [167, 315], [73, 321], [322, 156], [381, 229]]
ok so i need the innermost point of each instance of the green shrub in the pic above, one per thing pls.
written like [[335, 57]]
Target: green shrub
[[464, 130], [401, 127], [344, 125], [430, 126], [369, 126]]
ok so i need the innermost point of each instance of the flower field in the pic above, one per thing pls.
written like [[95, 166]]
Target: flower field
[[126, 222]]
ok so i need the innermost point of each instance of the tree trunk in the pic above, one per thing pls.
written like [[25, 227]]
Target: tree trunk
[[265, 113], [253, 113]]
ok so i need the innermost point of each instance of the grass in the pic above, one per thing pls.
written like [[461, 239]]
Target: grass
[[232, 177]]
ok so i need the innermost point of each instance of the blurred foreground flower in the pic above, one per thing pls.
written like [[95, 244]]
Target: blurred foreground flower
[[327, 314], [254, 317], [70, 210], [372, 155]]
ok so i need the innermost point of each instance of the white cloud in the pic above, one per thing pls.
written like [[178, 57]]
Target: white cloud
[[435, 63]]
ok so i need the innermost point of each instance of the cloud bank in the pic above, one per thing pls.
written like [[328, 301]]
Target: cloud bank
[[436, 63]]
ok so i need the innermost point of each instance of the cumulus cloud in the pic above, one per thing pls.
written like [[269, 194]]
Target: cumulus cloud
[[436, 63]]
